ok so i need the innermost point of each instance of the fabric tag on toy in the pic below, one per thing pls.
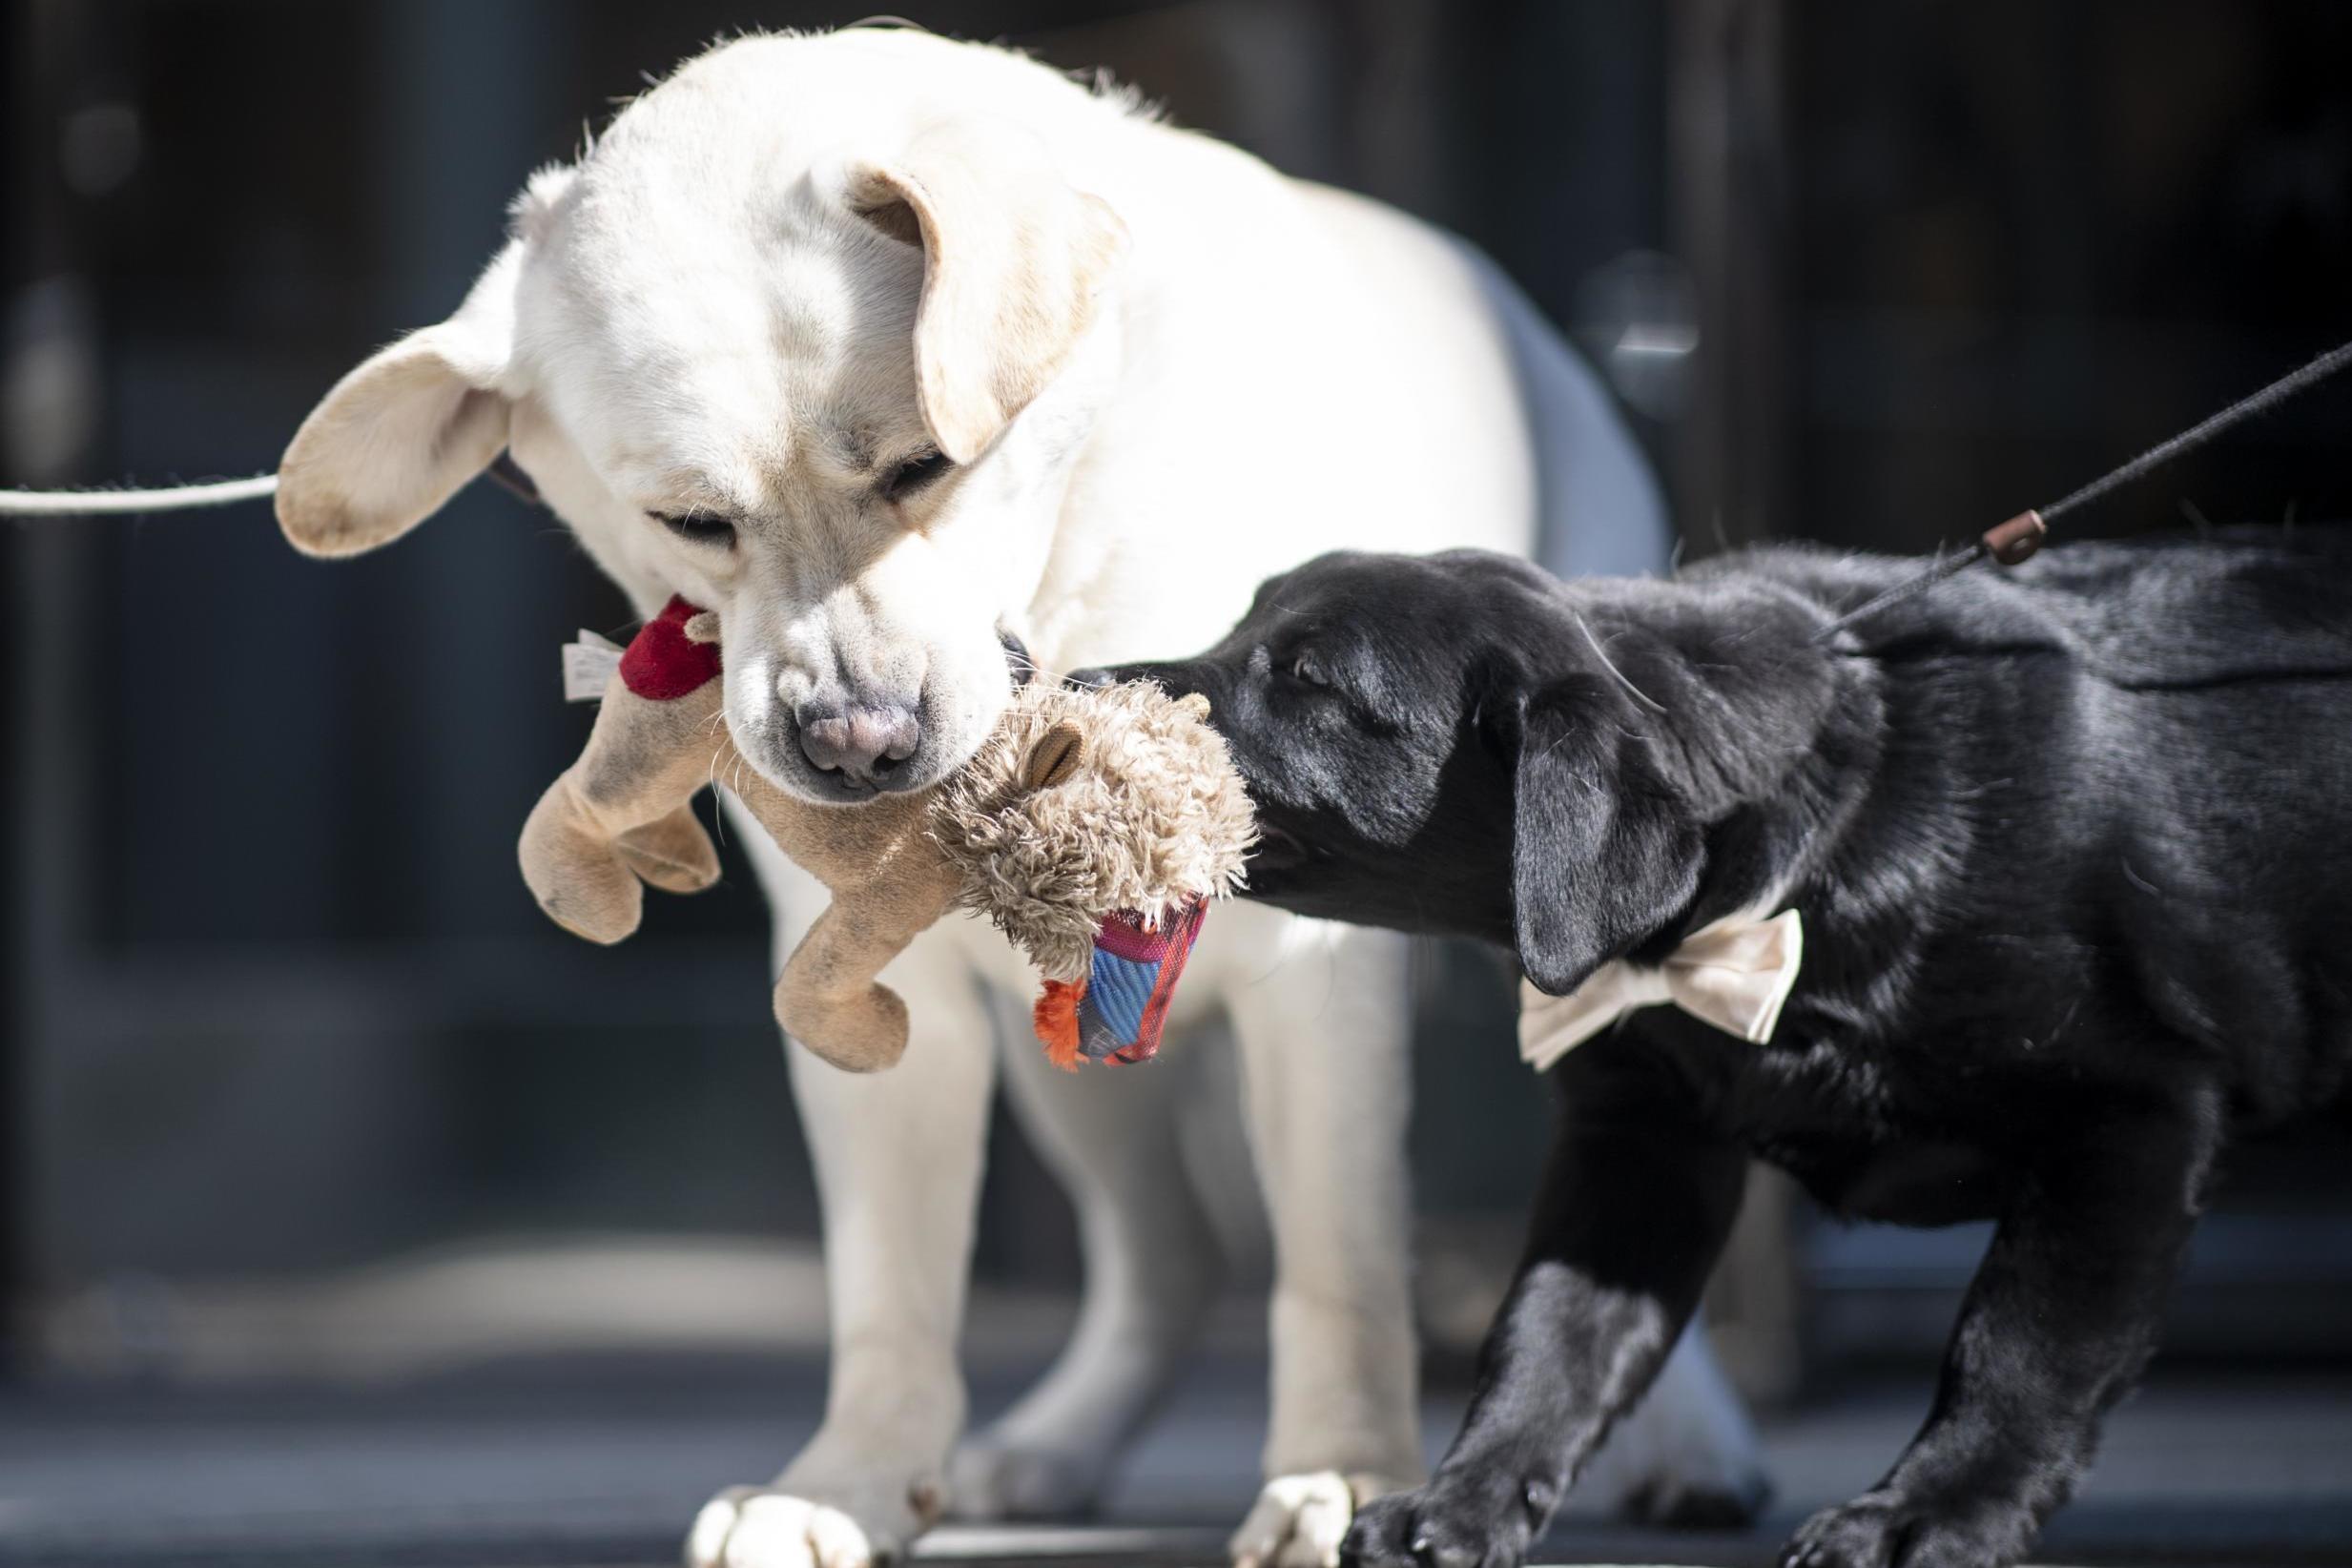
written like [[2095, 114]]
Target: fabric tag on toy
[[588, 663]]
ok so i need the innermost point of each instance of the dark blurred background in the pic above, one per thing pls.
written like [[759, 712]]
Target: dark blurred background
[[301, 1089]]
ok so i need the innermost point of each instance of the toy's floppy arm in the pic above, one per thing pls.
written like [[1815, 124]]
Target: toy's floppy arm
[[622, 812], [828, 997]]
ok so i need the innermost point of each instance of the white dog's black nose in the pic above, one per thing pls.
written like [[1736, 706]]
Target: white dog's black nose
[[863, 744]]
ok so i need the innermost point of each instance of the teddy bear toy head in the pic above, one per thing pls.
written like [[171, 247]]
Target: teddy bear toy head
[[1093, 827]]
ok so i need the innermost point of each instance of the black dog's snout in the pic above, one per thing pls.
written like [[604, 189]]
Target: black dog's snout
[[1090, 680], [864, 744]]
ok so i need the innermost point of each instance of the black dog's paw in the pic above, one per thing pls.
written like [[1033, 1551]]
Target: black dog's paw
[[1883, 1530], [1870, 1532], [1442, 1526]]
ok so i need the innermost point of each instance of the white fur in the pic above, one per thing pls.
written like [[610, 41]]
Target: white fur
[[1298, 1522], [1213, 372]]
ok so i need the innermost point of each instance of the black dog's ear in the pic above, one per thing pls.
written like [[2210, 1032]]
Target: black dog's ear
[[1603, 849]]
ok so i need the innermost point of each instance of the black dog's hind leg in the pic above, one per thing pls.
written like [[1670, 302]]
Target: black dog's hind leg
[[2056, 1326], [1633, 1210]]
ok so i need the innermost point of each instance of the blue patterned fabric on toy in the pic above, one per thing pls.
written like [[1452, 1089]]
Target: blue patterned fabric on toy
[[1134, 978], [1116, 1013]]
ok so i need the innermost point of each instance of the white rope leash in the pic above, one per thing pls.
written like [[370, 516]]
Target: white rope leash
[[177, 498]]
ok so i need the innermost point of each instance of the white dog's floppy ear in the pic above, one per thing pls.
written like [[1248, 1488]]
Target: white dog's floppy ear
[[398, 436], [1015, 259]]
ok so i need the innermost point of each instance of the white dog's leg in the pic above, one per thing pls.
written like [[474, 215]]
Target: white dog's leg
[[1685, 1455], [1324, 1042], [898, 1158], [1153, 1267]]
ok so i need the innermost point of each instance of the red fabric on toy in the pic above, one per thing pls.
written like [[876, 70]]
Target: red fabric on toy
[[662, 663]]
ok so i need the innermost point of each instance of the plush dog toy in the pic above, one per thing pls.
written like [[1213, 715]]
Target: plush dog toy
[[1092, 828]]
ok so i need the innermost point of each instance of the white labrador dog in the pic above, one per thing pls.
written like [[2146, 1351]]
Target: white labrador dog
[[884, 346]]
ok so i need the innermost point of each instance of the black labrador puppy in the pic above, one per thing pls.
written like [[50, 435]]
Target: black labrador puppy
[[2071, 850]]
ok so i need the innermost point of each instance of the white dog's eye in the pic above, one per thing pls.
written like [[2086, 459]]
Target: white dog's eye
[[699, 527], [913, 474]]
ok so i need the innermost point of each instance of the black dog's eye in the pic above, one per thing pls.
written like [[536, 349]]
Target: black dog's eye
[[1307, 672], [913, 474], [699, 527]]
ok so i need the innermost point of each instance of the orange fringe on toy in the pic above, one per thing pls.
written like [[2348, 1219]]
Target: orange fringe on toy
[[1056, 1020]]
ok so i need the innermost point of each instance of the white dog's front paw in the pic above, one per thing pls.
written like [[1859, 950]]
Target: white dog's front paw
[[1300, 1520], [751, 1527], [990, 1479]]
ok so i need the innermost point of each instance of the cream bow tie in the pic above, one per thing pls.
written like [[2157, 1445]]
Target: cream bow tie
[[1734, 975]]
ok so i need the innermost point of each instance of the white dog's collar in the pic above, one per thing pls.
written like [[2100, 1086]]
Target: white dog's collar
[[1735, 975]]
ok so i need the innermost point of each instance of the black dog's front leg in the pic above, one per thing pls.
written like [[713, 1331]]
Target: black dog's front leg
[[2057, 1324], [1635, 1206]]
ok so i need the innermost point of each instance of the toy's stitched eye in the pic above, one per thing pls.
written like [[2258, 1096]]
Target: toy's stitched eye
[[915, 474], [699, 527], [1057, 757]]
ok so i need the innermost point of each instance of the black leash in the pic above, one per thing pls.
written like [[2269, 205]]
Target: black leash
[[2021, 536]]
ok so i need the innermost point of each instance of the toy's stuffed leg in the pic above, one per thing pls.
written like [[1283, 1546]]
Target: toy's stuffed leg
[[673, 854], [619, 812], [828, 997], [575, 871]]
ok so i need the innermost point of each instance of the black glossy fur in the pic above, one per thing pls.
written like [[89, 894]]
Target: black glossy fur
[[2073, 847]]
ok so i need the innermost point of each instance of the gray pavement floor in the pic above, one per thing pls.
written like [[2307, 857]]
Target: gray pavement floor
[[601, 1466]]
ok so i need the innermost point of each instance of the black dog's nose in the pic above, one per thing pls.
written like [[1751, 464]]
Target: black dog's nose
[[864, 744], [1093, 680]]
